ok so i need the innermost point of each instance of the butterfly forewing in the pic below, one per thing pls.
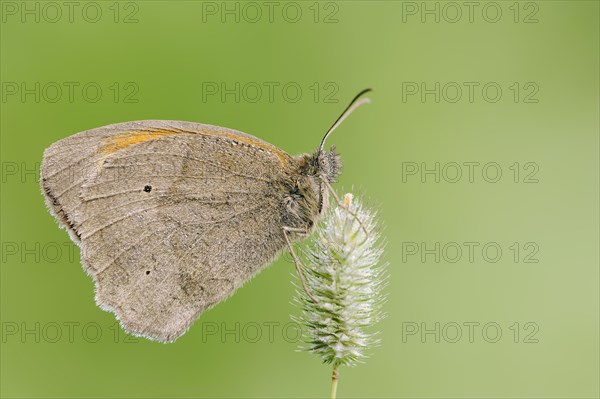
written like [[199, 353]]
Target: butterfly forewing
[[171, 216]]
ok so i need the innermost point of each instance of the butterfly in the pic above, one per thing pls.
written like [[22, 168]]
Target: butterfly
[[172, 217]]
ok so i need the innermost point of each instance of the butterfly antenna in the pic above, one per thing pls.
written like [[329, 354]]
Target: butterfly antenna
[[355, 103]]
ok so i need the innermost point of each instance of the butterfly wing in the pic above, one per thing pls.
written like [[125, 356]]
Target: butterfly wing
[[171, 216]]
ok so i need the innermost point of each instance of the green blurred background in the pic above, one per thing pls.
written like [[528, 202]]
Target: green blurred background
[[160, 60]]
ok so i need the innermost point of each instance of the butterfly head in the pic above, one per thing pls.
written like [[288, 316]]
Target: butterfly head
[[327, 165], [308, 194]]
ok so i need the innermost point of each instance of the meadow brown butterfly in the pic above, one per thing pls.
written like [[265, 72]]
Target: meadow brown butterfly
[[172, 217]]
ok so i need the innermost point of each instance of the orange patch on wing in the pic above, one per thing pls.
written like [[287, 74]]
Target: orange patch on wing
[[122, 141]]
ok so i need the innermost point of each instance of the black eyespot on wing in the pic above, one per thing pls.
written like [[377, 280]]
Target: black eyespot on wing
[[147, 272], [147, 188]]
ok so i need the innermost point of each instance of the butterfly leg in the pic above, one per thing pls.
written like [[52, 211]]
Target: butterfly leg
[[341, 205], [297, 263]]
